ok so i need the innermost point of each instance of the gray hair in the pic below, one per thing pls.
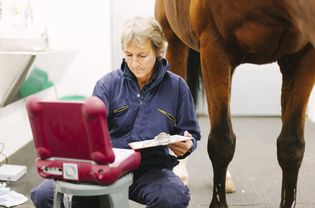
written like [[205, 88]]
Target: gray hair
[[138, 30]]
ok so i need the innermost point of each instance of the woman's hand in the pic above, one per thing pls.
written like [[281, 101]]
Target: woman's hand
[[180, 148]]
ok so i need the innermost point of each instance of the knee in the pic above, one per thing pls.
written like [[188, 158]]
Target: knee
[[290, 151], [42, 195], [219, 140], [174, 198], [37, 198], [40, 199]]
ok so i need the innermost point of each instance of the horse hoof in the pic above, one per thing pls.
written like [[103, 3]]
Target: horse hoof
[[183, 175], [181, 171], [185, 180], [229, 185]]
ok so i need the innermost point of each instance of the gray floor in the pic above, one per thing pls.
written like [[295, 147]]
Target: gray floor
[[254, 169]]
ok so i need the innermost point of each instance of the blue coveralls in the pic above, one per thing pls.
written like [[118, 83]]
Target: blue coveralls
[[165, 104]]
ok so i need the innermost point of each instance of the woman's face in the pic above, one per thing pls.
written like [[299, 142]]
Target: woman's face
[[140, 61]]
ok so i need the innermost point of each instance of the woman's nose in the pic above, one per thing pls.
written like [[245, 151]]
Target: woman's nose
[[134, 62]]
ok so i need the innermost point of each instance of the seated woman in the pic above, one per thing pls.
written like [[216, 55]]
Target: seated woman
[[144, 99]]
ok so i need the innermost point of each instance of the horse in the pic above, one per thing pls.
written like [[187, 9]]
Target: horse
[[225, 34]]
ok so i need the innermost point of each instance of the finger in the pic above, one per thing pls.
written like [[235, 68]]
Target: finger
[[186, 133], [182, 144], [178, 150]]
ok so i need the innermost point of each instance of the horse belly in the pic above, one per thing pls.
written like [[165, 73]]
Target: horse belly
[[255, 37]]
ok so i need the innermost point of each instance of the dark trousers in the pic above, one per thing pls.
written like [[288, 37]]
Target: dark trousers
[[43, 197], [155, 188]]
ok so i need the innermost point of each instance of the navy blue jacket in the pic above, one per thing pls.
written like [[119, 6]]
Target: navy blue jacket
[[164, 104]]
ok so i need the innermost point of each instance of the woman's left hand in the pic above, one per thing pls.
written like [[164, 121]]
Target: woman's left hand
[[180, 148]]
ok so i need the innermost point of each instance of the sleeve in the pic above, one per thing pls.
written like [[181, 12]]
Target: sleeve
[[101, 91], [186, 117]]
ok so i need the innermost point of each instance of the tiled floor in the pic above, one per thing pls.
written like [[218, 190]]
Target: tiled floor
[[254, 169]]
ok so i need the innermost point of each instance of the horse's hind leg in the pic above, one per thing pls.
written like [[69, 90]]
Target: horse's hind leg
[[298, 78], [177, 52], [217, 75]]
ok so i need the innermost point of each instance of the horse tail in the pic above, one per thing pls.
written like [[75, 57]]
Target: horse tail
[[194, 76]]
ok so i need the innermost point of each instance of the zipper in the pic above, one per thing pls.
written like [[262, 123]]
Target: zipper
[[167, 115], [120, 109]]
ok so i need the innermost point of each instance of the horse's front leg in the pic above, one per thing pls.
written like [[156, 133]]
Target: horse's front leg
[[217, 75], [298, 79]]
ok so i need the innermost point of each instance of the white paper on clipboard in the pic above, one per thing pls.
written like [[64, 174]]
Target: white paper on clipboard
[[160, 140]]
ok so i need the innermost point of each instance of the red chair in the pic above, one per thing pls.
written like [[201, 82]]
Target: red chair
[[74, 148]]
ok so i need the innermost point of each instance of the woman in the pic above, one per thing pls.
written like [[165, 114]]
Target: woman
[[144, 99]]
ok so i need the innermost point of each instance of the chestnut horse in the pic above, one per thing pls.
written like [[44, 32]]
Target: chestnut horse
[[227, 34]]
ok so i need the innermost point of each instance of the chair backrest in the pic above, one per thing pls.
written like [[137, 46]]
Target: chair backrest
[[72, 130]]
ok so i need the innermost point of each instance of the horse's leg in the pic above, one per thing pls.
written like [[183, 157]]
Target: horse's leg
[[177, 52], [217, 75], [298, 78]]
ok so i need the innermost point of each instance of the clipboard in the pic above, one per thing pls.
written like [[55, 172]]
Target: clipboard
[[161, 139]]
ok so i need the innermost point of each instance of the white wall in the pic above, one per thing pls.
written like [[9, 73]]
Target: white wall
[[256, 90], [83, 26], [311, 106]]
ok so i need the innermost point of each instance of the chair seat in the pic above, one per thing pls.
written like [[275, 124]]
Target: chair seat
[[87, 189], [114, 195]]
